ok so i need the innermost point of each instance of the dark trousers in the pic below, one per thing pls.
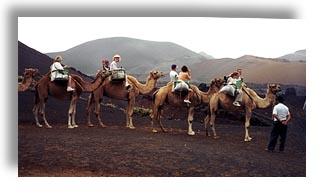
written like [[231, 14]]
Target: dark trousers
[[279, 129]]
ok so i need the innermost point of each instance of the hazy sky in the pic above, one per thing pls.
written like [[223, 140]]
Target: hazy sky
[[219, 37]]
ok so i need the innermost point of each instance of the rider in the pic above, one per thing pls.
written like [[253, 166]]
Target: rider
[[236, 82], [185, 75], [173, 75], [105, 64], [57, 71], [114, 65]]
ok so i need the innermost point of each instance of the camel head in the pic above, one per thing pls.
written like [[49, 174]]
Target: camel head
[[217, 83], [274, 88], [31, 73], [104, 74], [156, 74]]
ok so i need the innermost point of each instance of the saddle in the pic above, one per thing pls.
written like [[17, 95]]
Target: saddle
[[228, 89], [180, 88], [118, 75]]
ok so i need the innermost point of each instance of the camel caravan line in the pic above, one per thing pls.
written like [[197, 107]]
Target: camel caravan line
[[103, 85]]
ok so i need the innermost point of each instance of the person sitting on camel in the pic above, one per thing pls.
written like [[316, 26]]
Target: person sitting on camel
[[105, 64], [173, 75], [114, 65], [236, 82], [58, 72], [185, 76]]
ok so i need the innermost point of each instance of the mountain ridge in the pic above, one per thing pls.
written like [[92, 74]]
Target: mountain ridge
[[141, 56]]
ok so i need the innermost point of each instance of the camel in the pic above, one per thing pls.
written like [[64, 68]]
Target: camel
[[28, 79], [57, 89], [249, 102], [118, 91], [165, 95]]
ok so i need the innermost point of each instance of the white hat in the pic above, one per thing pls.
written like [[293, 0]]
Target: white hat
[[116, 56], [58, 59]]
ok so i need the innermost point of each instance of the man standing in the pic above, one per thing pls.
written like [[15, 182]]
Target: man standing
[[281, 117]]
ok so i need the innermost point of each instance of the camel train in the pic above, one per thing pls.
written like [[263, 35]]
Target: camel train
[[103, 85]]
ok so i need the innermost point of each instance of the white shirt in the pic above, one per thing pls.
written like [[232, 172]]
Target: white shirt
[[231, 80], [173, 75], [282, 111], [113, 65], [54, 73]]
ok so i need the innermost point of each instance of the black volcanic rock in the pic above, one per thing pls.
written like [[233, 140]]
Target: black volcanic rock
[[31, 58]]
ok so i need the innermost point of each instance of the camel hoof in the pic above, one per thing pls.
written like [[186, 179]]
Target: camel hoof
[[216, 137], [248, 139], [90, 125], [49, 127], [70, 126], [103, 126], [75, 126], [39, 125], [154, 131], [191, 133], [131, 127]]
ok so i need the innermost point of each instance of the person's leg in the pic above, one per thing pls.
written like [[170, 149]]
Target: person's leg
[[283, 135], [190, 93], [174, 85], [71, 84], [187, 99], [273, 137], [238, 99]]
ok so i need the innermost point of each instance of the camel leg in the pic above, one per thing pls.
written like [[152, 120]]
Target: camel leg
[[70, 126], [248, 114], [160, 120], [35, 112], [213, 106], [212, 123], [206, 121], [74, 113], [156, 116], [129, 116], [153, 118], [156, 110], [97, 112], [42, 106], [190, 120], [89, 109]]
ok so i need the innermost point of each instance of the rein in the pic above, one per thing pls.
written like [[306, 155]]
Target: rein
[[243, 88]]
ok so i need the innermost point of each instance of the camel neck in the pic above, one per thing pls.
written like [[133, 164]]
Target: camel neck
[[205, 96], [143, 88], [263, 102], [90, 86]]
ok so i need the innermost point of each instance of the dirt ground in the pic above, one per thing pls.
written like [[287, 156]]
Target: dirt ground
[[118, 151]]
